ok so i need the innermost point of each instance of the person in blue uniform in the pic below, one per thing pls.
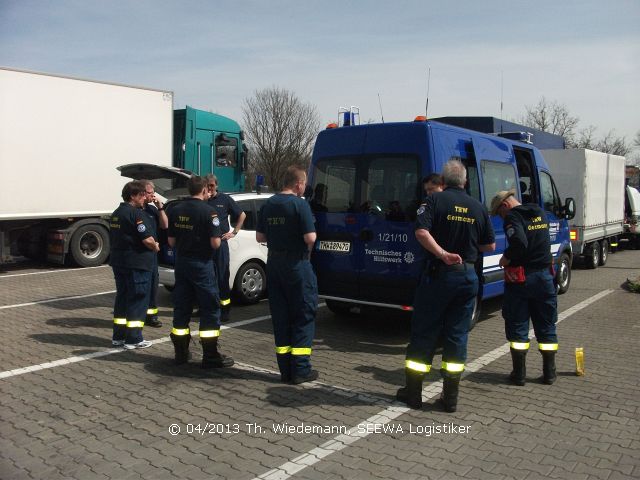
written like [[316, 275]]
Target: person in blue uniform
[[285, 223], [454, 228], [133, 248], [227, 208], [194, 233], [529, 290], [431, 184], [158, 220]]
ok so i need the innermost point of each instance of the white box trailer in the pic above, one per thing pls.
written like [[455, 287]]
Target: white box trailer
[[596, 181], [61, 140]]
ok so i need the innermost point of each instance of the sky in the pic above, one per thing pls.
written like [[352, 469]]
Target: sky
[[215, 54]]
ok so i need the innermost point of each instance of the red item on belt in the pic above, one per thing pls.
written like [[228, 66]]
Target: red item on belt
[[514, 274]]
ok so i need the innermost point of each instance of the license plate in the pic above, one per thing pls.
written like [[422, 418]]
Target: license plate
[[326, 246]]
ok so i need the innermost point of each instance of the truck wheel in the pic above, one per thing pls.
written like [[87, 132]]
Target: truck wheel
[[604, 253], [563, 275], [250, 283], [89, 246], [592, 257]]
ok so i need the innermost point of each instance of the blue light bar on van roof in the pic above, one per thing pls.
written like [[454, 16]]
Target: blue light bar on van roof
[[526, 137]]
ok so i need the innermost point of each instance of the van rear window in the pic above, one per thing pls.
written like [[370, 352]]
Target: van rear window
[[381, 185]]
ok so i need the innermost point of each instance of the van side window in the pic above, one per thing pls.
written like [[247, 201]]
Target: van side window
[[550, 197], [496, 177]]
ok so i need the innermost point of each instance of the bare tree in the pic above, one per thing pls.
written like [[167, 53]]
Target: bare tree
[[607, 144], [552, 117], [636, 141], [280, 130]]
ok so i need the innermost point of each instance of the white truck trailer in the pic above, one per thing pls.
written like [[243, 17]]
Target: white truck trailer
[[596, 181], [61, 140]]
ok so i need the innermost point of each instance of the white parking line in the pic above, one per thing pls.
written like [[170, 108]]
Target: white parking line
[[60, 299], [340, 442], [50, 271]]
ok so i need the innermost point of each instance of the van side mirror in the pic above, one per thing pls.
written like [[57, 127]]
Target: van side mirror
[[569, 209]]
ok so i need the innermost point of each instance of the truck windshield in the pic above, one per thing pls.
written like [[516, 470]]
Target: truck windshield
[[383, 185]]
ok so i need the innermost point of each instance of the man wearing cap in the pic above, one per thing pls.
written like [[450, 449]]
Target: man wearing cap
[[453, 227], [529, 290]]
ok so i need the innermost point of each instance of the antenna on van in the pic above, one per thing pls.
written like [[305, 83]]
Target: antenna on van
[[426, 107], [501, 97], [380, 103]]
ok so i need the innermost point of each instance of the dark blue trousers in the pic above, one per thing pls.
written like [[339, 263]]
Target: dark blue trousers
[[221, 260], [535, 299], [195, 283], [443, 306], [130, 307], [153, 297], [293, 299]]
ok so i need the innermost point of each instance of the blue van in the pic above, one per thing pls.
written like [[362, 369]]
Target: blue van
[[365, 185]]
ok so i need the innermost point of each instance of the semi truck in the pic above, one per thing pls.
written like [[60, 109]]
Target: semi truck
[[596, 181], [61, 140]]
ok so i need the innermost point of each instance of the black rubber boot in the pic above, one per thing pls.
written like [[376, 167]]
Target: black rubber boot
[[310, 377], [412, 393], [152, 321], [225, 313], [548, 367], [211, 358], [519, 373], [181, 348], [450, 386]]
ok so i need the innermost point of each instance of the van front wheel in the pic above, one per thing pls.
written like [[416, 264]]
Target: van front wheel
[[563, 275]]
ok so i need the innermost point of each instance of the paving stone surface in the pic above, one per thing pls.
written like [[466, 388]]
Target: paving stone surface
[[103, 413]]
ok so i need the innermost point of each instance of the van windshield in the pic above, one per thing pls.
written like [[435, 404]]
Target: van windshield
[[382, 185]]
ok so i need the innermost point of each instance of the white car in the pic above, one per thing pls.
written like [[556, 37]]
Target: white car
[[248, 258]]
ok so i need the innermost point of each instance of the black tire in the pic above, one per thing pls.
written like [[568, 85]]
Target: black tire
[[477, 308], [592, 257], [250, 283], [339, 308], [604, 253], [89, 246], [169, 288], [563, 274]]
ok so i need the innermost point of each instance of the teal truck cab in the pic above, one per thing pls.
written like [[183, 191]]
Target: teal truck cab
[[365, 186], [205, 142]]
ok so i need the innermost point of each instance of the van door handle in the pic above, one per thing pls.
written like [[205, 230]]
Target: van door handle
[[366, 234]]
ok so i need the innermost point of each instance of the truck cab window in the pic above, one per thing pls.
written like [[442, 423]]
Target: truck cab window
[[226, 151]]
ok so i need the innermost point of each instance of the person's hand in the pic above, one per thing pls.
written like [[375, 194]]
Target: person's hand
[[504, 261], [451, 258], [230, 234]]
